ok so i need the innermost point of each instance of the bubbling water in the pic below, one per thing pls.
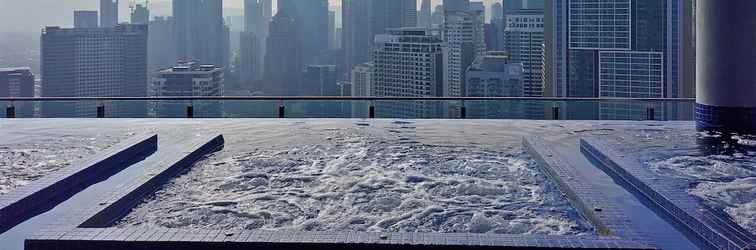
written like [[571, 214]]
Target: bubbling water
[[354, 181]]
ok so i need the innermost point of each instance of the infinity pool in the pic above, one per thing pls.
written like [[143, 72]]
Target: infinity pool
[[365, 178]]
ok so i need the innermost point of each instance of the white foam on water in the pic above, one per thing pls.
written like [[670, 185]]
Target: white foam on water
[[724, 182], [25, 162], [737, 198], [354, 181]]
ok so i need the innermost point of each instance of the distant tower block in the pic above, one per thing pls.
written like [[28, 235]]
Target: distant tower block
[[726, 65]]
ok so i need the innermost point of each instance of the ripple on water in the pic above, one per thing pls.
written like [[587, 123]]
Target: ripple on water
[[358, 182]]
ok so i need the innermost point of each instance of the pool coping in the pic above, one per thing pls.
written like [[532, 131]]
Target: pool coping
[[40, 195], [91, 229], [669, 198]]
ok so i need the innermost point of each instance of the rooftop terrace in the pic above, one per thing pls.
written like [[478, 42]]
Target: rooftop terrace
[[375, 184]]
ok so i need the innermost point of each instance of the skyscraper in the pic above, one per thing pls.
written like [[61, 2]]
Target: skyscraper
[[85, 19], [456, 5], [162, 43], [425, 18], [251, 59], [364, 19], [408, 62], [493, 75], [596, 50], [108, 13], [16, 82], [257, 15], [356, 34], [200, 32], [332, 36], [464, 38], [140, 14], [320, 80], [524, 44], [312, 16], [103, 62], [283, 60]]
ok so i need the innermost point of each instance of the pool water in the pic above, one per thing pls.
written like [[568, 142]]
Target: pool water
[[27, 160], [364, 178]]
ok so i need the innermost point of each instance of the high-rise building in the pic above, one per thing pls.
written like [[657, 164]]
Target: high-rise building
[[524, 44], [425, 16], [408, 62], [555, 55], [362, 80], [253, 42], [251, 63], [101, 62], [108, 13], [16, 82], [497, 11], [283, 60], [200, 32], [312, 16], [464, 37], [364, 19], [634, 49], [393, 14], [332, 36], [320, 80], [187, 79], [493, 75], [161, 40], [479, 7], [140, 14], [456, 5], [356, 34], [85, 19], [493, 37], [438, 16]]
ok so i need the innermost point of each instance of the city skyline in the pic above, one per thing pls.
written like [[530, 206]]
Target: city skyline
[[60, 13]]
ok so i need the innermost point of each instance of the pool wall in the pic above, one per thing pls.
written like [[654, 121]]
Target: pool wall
[[94, 231], [669, 197], [40, 195]]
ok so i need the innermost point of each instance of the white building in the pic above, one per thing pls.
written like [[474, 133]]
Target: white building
[[362, 80], [408, 62], [464, 38]]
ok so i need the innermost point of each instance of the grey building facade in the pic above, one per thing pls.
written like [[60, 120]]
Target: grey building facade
[[99, 62]]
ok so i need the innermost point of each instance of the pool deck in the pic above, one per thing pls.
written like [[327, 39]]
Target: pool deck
[[623, 219]]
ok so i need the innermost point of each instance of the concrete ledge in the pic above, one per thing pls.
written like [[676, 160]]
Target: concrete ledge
[[47, 192], [269, 240], [124, 198], [587, 199], [670, 199]]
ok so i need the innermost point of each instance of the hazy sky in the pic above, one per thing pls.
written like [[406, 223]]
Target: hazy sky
[[32, 15]]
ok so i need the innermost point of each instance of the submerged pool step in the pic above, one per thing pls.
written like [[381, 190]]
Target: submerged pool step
[[669, 197], [590, 202], [41, 195]]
